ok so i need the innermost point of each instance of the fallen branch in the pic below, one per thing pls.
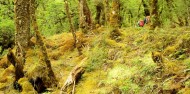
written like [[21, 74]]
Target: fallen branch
[[185, 79], [72, 79]]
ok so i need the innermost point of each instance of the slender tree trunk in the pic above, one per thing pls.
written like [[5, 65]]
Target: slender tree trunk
[[39, 39], [138, 14], [115, 17], [170, 16], [100, 13], [115, 21], [146, 8], [107, 11], [155, 18], [187, 13], [70, 22], [85, 20], [71, 26]]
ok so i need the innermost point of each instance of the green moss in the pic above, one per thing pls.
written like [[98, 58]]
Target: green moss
[[96, 58], [187, 62], [130, 87]]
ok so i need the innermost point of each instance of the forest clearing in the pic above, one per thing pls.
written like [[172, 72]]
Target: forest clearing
[[94, 47]]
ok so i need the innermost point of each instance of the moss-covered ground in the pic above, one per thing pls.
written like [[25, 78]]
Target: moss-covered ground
[[135, 61]]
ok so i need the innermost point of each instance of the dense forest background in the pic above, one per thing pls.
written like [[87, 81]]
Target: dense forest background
[[52, 17], [95, 46]]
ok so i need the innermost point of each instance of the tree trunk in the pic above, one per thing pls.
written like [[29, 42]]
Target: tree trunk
[[70, 22], [22, 37], [107, 11], [51, 75], [17, 64], [146, 8], [85, 20], [100, 13], [22, 21], [18, 68], [155, 18], [170, 16], [115, 17], [187, 13], [71, 26]]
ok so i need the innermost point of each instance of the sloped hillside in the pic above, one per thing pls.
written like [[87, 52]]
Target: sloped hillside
[[125, 61]]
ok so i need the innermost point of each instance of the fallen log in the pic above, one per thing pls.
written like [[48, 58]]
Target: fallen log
[[72, 79]]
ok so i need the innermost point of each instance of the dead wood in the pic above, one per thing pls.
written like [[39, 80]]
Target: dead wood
[[72, 79]]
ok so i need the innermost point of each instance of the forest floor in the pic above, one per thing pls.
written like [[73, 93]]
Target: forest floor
[[131, 61]]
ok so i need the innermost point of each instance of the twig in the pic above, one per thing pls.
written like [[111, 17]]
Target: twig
[[73, 91], [185, 79]]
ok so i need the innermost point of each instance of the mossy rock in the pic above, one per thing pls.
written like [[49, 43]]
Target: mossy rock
[[27, 87], [115, 34]]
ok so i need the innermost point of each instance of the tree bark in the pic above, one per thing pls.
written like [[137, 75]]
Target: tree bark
[[22, 21], [85, 20], [146, 8], [107, 11], [18, 68], [51, 75], [22, 37], [155, 18], [72, 27], [115, 16], [100, 13], [187, 12], [70, 22], [170, 15]]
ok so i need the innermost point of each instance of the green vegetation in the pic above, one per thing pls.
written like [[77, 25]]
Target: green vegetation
[[124, 59]]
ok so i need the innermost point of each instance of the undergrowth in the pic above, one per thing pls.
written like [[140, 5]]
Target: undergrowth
[[120, 65]]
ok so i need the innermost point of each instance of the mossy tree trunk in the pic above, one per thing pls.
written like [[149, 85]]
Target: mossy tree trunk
[[155, 17], [100, 13], [187, 16], [170, 12], [146, 8], [107, 11], [71, 26], [70, 22], [22, 22], [85, 20], [22, 37], [52, 82], [18, 65], [115, 20], [115, 16]]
